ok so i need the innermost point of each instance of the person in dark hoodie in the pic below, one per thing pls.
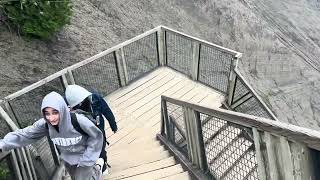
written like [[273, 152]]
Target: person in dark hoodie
[[79, 152], [80, 98]]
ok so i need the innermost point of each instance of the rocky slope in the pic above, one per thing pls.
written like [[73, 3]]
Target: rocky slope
[[279, 39]]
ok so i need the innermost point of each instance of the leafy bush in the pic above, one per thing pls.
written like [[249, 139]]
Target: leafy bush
[[40, 18]]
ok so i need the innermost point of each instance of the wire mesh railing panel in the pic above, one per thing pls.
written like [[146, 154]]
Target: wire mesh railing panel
[[240, 90], [176, 112], [100, 75], [27, 107], [179, 53], [228, 147], [214, 67], [43, 150], [141, 56], [4, 128], [253, 107]]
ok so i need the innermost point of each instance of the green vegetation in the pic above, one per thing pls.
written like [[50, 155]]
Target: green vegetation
[[4, 172], [37, 18]]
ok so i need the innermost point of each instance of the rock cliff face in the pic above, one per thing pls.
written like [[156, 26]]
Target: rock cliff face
[[279, 39]]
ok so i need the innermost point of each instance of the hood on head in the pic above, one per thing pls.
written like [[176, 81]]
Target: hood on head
[[76, 94], [56, 101]]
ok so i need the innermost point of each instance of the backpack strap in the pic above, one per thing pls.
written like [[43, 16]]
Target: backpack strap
[[76, 124]]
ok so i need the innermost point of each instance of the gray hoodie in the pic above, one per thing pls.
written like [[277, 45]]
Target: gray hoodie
[[75, 148]]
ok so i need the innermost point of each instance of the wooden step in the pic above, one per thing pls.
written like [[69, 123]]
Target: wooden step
[[121, 164], [144, 168], [137, 154], [180, 176], [161, 173]]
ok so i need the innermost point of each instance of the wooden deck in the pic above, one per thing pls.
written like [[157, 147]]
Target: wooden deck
[[134, 152]]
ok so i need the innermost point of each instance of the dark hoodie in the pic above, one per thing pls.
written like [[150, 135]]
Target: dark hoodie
[[75, 148]]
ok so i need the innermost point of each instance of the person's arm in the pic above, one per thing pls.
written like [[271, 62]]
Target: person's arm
[[106, 111], [94, 142], [25, 136]]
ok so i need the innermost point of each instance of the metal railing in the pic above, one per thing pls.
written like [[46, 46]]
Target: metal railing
[[120, 65], [236, 146]]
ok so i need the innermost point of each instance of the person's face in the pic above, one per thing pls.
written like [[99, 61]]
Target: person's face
[[52, 115]]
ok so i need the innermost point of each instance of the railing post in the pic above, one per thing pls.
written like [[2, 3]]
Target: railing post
[[287, 166], [64, 80], [260, 160], [232, 78], [161, 46], [195, 58], [124, 65], [272, 164], [71, 78], [16, 167], [120, 67], [198, 139], [186, 117]]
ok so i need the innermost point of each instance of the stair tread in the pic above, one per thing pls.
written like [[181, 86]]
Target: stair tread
[[144, 168], [180, 176], [161, 173]]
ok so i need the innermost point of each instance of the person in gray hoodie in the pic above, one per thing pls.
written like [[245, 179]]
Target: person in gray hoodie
[[79, 152]]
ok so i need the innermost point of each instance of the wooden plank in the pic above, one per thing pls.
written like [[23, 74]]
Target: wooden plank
[[302, 162], [287, 164], [15, 164], [292, 132], [180, 176], [124, 66], [273, 170], [140, 82], [138, 90], [117, 55], [151, 91], [128, 163], [144, 168], [195, 60], [161, 173], [161, 47], [259, 155]]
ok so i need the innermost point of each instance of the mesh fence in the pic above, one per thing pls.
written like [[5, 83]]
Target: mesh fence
[[252, 106], [99, 75], [229, 149], [175, 113], [4, 128], [240, 90], [27, 110], [27, 106], [179, 53], [141, 56], [214, 67]]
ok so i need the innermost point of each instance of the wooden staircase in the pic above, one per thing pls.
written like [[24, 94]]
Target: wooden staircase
[[144, 158], [134, 151]]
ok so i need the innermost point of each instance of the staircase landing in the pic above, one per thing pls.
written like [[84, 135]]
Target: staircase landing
[[134, 152]]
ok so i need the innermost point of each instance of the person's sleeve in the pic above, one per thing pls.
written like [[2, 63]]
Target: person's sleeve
[[94, 142], [106, 111], [25, 136]]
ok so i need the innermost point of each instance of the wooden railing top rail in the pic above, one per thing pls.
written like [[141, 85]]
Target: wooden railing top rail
[[110, 50], [255, 94], [230, 51], [294, 133]]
